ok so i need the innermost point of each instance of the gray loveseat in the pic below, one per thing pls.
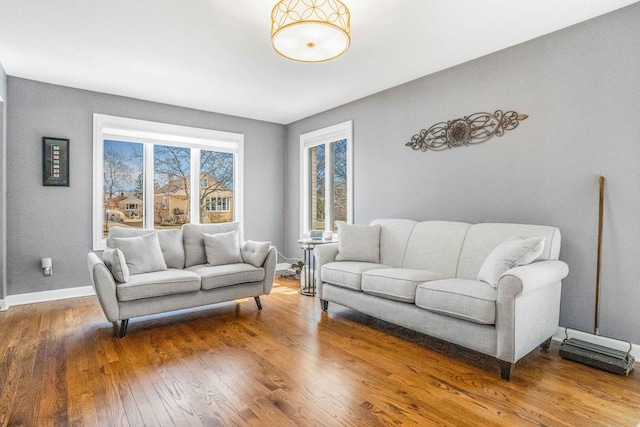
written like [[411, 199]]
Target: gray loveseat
[[187, 280], [426, 279]]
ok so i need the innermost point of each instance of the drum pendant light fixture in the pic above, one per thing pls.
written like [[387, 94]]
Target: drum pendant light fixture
[[310, 30]]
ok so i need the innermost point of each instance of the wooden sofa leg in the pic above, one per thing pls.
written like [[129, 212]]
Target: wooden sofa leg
[[324, 304], [505, 370], [258, 303], [124, 323], [545, 345]]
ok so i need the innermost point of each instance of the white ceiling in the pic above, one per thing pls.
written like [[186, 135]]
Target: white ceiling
[[216, 55]]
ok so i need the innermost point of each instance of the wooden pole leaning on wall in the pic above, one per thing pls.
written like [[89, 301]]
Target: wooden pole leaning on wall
[[596, 327]]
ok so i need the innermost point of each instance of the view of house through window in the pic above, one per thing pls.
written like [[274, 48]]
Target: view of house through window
[[123, 184], [143, 180], [216, 187], [326, 178]]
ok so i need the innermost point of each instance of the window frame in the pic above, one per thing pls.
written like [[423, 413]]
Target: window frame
[[312, 139], [154, 133]]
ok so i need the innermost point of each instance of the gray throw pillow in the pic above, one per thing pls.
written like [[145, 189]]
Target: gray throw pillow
[[222, 248], [358, 242], [170, 242], [116, 263], [194, 253], [255, 253], [512, 252], [143, 254]]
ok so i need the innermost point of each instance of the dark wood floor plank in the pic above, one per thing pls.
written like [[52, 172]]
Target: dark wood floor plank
[[290, 364]]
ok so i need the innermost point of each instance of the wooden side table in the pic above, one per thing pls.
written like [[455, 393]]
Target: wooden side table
[[307, 245]]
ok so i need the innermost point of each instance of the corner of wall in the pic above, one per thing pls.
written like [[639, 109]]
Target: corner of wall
[[3, 188]]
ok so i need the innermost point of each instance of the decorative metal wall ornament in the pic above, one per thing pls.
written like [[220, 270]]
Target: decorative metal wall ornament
[[473, 129]]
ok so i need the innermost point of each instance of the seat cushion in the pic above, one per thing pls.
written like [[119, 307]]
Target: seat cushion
[[347, 274], [471, 300], [158, 283], [398, 284], [220, 276]]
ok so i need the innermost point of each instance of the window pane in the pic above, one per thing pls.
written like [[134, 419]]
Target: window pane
[[123, 189], [216, 187], [316, 187], [171, 183], [339, 182]]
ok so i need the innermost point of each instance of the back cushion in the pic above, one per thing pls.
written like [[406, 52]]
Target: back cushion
[[483, 238], [435, 246], [170, 242], [194, 241], [394, 237]]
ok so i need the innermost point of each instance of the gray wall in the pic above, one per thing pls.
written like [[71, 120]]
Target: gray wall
[[3, 200], [581, 89], [56, 221]]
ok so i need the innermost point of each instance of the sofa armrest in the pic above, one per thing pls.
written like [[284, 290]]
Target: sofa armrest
[[528, 307], [532, 277], [105, 286], [323, 254], [269, 266]]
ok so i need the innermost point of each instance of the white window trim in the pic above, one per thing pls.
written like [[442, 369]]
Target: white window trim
[[133, 130], [315, 138]]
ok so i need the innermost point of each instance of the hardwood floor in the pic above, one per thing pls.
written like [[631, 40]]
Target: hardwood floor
[[290, 364]]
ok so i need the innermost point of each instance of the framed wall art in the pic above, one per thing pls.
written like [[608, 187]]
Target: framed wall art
[[55, 162]]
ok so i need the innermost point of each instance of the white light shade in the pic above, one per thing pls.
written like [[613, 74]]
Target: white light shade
[[310, 30], [46, 263]]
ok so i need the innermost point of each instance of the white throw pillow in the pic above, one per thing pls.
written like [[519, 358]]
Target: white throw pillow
[[115, 261], [358, 242], [143, 254], [508, 254], [255, 253], [222, 248]]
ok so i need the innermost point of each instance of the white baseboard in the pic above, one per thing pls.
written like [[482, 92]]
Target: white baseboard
[[45, 296], [599, 340]]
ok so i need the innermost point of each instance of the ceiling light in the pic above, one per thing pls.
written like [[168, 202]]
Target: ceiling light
[[310, 30]]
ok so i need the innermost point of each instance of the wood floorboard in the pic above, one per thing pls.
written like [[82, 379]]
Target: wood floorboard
[[290, 364]]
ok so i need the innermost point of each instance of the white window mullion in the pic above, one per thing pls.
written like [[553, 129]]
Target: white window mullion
[[149, 190], [195, 186], [238, 184]]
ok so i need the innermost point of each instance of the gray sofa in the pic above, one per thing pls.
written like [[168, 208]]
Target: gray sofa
[[426, 279], [186, 281]]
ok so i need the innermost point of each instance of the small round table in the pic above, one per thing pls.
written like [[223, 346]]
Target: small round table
[[307, 245]]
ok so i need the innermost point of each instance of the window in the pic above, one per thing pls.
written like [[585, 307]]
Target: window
[[326, 165], [144, 173], [217, 204]]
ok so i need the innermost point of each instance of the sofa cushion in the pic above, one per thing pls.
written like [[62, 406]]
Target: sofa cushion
[[170, 242], [481, 239], [157, 284], [347, 274], [508, 254], [143, 254], [465, 299], [220, 276], [222, 248], [117, 265], [435, 246], [192, 236], [398, 284], [358, 242], [255, 253]]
